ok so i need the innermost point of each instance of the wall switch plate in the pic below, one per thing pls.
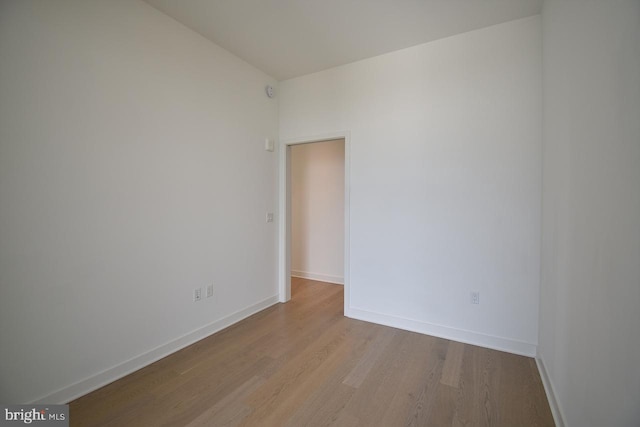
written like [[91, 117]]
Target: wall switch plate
[[197, 294], [269, 216], [475, 297], [209, 291], [268, 144]]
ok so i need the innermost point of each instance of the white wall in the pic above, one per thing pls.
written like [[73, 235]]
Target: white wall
[[445, 180], [590, 291], [317, 211], [132, 171]]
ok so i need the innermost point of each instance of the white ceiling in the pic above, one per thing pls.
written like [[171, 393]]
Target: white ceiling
[[290, 38]]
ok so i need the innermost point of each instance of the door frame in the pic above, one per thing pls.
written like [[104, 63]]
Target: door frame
[[284, 223]]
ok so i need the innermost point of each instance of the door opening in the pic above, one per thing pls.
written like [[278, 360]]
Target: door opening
[[285, 222]]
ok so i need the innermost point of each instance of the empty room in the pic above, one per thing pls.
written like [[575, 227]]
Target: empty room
[[296, 213]]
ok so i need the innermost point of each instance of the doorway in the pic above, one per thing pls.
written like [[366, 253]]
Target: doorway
[[285, 223], [317, 211]]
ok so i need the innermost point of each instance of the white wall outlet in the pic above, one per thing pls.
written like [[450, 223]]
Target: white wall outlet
[[269, 216], [268, 144], [475, 297], [209, 291], [197, 294]]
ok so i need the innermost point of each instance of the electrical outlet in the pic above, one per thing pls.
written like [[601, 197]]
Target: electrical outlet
[[197, 294], [269, 217], [209, 291], [475, 297]]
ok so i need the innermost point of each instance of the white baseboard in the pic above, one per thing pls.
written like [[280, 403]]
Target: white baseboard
[[338, 280], [461, 335], [73, 391], [551, 394]]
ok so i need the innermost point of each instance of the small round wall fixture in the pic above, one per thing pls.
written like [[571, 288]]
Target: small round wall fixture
[[269, 90]]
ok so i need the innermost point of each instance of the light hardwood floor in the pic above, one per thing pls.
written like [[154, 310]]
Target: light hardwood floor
[[304, 364]]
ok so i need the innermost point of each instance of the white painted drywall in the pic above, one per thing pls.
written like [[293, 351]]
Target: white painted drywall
[[445, 180], [590, 287], [317, 211], [132, 171]]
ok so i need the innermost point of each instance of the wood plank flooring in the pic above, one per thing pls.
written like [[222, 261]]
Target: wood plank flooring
[[304, 364]]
